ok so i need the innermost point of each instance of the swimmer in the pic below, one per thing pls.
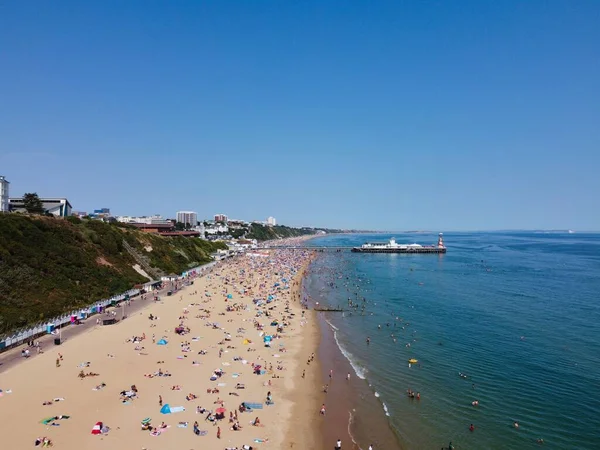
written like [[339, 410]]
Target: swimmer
[[516, 424]]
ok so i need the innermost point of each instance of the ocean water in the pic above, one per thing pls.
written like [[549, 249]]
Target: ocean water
[[516, 313]]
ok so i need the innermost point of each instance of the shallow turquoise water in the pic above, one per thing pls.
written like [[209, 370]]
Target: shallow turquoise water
[[517, 313]]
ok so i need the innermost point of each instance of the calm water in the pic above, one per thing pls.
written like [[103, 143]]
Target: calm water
[[517, 313]]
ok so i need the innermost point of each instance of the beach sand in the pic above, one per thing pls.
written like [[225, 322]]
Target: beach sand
[[232, 342]]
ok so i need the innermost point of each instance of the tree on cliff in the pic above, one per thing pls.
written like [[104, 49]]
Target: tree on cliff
[[32, 203]]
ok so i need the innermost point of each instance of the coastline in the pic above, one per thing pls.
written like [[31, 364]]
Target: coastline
[[354, 413], [304, 428], [120, 367]]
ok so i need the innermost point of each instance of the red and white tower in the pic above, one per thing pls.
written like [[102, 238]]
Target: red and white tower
[[441, 241]]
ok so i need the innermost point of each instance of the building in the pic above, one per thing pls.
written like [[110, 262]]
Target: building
[[148, 220], [59, 207], [187, 217], [4, 184], [221, 218], [217, 228], [271, 221], [154, 227]]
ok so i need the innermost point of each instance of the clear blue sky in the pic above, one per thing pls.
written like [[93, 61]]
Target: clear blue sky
[[445, 115]]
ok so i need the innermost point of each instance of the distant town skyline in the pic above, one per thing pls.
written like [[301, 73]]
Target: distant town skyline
[[378, 115]]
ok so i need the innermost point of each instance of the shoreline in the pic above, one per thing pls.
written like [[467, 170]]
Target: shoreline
[[231, 284], [304, 429], [354, 413]]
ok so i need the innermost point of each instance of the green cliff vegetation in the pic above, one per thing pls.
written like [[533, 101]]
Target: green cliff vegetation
[[266, 233], [50, 266]]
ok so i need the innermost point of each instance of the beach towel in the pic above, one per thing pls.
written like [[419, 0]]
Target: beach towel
[[253, 405], [177, 409], [222, 384]]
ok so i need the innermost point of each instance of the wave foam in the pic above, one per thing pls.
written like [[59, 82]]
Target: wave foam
[[385, 408], [332, 325], [361, 372]]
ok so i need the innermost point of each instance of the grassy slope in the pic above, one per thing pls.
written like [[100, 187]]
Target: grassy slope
[[50, 266]]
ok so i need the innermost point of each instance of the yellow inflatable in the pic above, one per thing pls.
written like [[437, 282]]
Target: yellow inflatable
[[413, 361]]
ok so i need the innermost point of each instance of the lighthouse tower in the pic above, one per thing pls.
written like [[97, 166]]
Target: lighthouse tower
[[441, 241]]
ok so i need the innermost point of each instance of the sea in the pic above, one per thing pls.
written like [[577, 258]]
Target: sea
[[510, 320]]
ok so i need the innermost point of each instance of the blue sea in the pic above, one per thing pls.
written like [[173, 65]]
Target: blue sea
[[508, 319]]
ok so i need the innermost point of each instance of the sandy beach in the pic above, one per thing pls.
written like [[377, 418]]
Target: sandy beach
[[213, 360]]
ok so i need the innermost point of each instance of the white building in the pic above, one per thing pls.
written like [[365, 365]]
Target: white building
[[187, 217], [149, 220], [271, 221], [217, 228], [3, 194]]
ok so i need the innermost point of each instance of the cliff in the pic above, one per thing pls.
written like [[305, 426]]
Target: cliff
[[267, 233], [49, 266]]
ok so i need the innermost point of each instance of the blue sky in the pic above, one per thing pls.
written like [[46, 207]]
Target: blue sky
[[440, 115]]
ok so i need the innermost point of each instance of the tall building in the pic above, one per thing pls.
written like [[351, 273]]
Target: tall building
[[187, 217], [271, 221], [3, 194], [221, 218]]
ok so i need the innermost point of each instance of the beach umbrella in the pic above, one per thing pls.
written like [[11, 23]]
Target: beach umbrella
[[220, 410]]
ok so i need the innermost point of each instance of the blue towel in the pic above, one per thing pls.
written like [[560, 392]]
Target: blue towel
[[253, 405]]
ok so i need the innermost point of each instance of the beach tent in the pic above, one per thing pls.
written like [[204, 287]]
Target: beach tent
[[229, 296], [166, 409], [97, 428], [162, 342], [267, 341]]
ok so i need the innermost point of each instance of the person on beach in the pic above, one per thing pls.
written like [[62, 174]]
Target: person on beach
[[338, 445], [322, 411], [348, 377], [160, 402], [218, 432]]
